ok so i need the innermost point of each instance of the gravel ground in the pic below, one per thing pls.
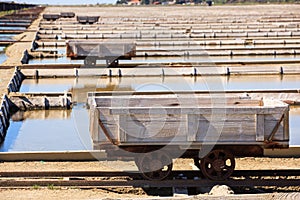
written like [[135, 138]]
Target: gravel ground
[[135, 193]]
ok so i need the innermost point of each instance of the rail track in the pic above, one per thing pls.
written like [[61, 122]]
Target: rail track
[[98, 179]]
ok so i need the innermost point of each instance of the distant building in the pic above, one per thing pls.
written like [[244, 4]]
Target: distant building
[[134, 2]]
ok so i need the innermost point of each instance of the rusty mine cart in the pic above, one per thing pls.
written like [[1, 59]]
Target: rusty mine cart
[[154, 128], [93, 51]]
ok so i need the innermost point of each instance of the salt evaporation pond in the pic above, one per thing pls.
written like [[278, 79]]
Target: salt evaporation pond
[[69, 130]]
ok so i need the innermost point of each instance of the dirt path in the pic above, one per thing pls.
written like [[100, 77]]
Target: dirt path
[[50, 193], [24, 41], [5, 75], [14, 54]]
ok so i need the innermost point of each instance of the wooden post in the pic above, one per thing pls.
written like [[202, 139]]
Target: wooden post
[[260, 127], [15, 83], [5, 116], [17, 79], [286, 126], [76, 72], [122, 133], [5, 104], [193, 127], [36, 75], [3, 124], [12, 87]]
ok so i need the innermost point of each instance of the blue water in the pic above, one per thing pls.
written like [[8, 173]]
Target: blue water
[[60, 50], [12, 24], [72, 132], [60, 132], [271, 82], [179, 59], [60, 60], [7, 37], [294, 125], [40, 87], [12, 28], [3, 57]]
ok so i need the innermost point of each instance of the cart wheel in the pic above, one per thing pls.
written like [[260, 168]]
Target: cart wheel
[[137, 160], [217, 165], [155, 165]]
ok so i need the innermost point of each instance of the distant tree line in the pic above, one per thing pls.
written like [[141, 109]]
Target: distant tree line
[[208, 2]]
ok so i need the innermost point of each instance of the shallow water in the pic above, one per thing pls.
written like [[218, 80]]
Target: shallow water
[[14, 23], [166, 59], [294, 125], [60, 60], [12, 28], [60, 50], [69, 130], [7, 37], [162, 83], [49, 131], [3, 57]]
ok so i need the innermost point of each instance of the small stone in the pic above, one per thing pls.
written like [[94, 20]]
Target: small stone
[[221, 190]]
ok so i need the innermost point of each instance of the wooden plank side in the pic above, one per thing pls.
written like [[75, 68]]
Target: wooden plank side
[[171, 122], [229, 131], [286, 126], [260, 128], [152, 128], [112, 129], [199, 110], [1, 127], [122, 131], [230, 128], [110, 123], [193, 124], [94, 116], [171, 101], [270, 125]]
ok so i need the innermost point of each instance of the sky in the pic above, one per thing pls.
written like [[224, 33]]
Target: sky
[[66, 2]]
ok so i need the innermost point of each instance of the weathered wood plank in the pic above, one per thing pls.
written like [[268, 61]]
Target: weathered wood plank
[[171, 101], [133, 120], [198, 110], [260, 128]]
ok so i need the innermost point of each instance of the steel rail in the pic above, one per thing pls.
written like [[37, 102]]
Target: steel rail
[[188, 173], [147, 183]]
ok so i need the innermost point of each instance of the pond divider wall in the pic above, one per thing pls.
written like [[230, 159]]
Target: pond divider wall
[[156, 71], [25, 58], [34, 45], [16, 81], [4, 116], [41, 101]]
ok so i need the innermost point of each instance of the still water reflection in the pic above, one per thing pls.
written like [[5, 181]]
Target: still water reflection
[[69, 130], [49, 131]]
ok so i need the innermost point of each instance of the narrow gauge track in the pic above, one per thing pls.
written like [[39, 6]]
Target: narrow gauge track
[[88, 179]]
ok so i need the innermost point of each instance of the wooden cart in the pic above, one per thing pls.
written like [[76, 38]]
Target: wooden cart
[[93, 51], [155, 128]]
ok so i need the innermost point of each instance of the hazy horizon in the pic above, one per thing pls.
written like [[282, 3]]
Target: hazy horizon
[[66, 2]]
